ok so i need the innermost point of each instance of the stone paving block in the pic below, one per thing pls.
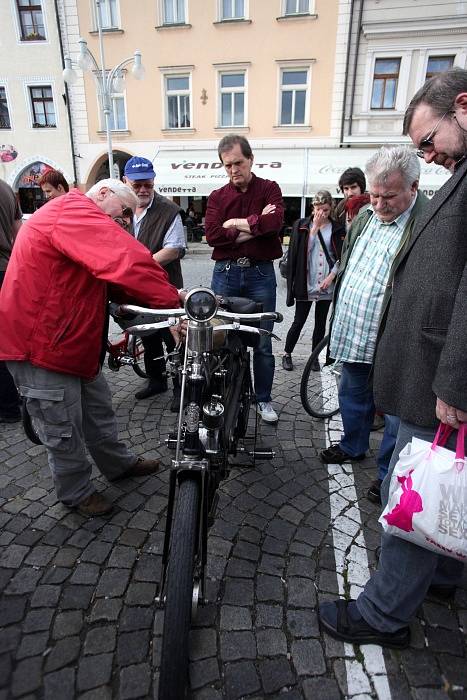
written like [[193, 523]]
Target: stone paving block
[[32, 645], [6, 668], [63, 653], [141, 594], [60, 684], [271, 565], [240, 680], [12, 609], [135, 682], [235, 646], [238, 591], [113, 583], [67, 624], [76, 597], [203, 644], [85, 574], [271, 642], [9, 638], [94, 671], [57, 536], [96, 552], [24, 581], [38, 620], [7, 537], [246, 550], [148, 568], [45, 596], [439, 616], [122, 557], [269, 588], [301, 592], [241, 568], [136, 618], [56, 575], [303, 623], [275, 674], [307, 657], [133, 538], [67, 556], [321, 689], [27, 676], [132, 647], [454, 670], [269, 615], [203, 672], [235, 618], [273, 546], [301, 566], [106, 610], [100, 640], [13, 556]]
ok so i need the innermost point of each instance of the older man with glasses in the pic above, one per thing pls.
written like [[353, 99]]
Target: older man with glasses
[[377, 238], [67, 259], [420, 367], [157, 224]]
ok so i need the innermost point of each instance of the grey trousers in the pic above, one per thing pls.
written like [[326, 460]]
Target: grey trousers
[[71, 414], [405, 571]]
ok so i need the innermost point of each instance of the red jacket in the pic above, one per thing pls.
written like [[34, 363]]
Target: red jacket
[[53, 299]]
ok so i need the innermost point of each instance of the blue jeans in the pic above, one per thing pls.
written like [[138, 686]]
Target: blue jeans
[[357, 410], [258, 283], [405, 571]]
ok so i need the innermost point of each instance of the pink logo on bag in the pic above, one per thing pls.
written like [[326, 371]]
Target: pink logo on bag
[[409, 504]]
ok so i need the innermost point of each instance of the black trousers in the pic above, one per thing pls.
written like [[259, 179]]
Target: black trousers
[[9, 399], [302, 309], [153, 347]]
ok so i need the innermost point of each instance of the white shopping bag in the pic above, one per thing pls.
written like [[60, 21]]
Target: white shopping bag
[[428, 495]]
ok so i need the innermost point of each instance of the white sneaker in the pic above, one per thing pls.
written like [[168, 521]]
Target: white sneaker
[[267, 412]]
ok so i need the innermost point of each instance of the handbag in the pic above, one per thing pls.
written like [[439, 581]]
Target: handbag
[[284, 264], [427, 502]]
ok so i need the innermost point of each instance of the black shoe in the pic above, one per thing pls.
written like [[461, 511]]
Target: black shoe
[[337, 621], [442, 592], [287, 363], [374, 492], [155, 386], [378, 422], [315, 366], [334, 455]]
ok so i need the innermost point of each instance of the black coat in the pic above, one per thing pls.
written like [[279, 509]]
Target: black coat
[[297, 287], [422, 353]]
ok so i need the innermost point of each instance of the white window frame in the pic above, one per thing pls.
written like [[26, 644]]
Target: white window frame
[[232, 70], [310, 11], [37, 82], [17, 22], [177, 72], [162, 21], [459, 53], [402, 83], [285, 67], [235, 18], [118, 23], [4, 85]]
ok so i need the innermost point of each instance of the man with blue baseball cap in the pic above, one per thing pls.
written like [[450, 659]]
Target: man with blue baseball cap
[[157, 224]]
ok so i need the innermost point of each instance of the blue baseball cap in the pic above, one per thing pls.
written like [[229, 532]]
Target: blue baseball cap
[[139, 169]]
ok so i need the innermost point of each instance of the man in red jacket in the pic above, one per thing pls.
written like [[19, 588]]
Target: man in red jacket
[[52, 314]]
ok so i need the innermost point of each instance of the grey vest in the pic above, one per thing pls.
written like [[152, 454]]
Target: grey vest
[[154, 226]]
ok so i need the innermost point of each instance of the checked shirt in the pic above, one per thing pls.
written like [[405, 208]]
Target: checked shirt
[[356, 317]]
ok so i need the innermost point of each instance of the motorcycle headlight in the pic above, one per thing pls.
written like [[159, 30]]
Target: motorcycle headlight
[[201, 304]]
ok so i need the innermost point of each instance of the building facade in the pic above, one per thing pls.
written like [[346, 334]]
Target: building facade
[[34, 119]]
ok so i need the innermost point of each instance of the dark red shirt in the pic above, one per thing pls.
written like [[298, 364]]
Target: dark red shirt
[[229, 202]]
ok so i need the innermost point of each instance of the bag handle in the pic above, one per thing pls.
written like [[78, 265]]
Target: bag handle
[[442, 435], [460, 445], [325, 251]]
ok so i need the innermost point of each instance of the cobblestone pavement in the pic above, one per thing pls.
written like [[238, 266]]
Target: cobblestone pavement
[[78, 618]]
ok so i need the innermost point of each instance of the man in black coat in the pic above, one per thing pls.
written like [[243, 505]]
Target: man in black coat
[[157, 225], [420, 368]]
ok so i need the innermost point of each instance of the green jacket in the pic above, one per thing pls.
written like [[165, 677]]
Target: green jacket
[[353, 234]]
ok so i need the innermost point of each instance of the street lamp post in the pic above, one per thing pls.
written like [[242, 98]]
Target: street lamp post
[[107, 81]]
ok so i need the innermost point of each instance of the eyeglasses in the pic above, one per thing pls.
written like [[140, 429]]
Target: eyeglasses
[[137, 185], [427, 144]]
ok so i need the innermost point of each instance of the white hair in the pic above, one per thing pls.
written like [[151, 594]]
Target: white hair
[[123, 192], [390, 159]]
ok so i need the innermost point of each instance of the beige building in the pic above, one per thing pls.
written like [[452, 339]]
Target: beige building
[[34, 120], [263, 68]]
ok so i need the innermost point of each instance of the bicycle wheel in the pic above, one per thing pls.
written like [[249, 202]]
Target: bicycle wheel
[[318, 389], [136, 351], [179, 587]]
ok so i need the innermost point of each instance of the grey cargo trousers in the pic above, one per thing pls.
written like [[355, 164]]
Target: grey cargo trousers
[[71, 414]]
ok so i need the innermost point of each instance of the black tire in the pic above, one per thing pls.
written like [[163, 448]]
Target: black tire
[[28, 426], [136, 351], [179, 586], [241, 427], [319, 389]]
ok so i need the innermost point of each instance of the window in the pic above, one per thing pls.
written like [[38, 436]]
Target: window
[[42, 104], [108, 14], [438, 64], [173, 12], [232, 9], [232, 99], [297, 7], [118, 113], [4, 113], [177, 90], [293, 97], [385, 79], [31, 20]]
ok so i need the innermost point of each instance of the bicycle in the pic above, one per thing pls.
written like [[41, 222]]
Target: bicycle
[[217, 381], [127, 351], [319, 389]]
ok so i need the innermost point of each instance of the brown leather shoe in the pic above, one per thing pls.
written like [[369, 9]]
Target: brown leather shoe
[[143, 467], [95, 504]]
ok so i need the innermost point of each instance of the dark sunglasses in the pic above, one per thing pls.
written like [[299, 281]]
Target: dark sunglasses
[[427, 144]]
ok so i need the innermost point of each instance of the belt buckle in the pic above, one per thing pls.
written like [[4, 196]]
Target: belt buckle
[[243, 262]]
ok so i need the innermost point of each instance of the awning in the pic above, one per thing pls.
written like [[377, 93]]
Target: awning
[[298, 171]]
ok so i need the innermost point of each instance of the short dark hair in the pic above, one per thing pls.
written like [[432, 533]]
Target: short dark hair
[[352, 175], [231, 140], [439, 93], [54, 178]]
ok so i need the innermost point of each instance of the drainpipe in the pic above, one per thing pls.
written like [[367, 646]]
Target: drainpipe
[[347, 60], [354, 77], [67, 95]]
